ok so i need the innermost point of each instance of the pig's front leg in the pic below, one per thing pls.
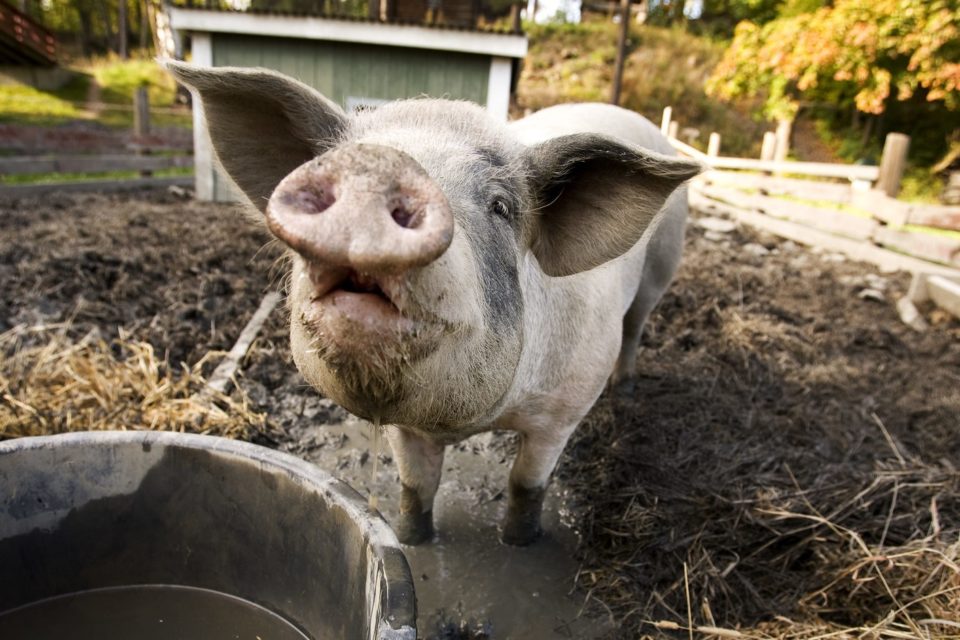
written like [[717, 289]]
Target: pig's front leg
[[539, 451], [419, 462]]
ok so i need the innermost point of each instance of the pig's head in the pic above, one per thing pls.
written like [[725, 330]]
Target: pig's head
[[412, 227]]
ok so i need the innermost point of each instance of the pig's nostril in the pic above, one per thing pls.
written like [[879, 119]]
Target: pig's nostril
[[403, 217], [309, 200]]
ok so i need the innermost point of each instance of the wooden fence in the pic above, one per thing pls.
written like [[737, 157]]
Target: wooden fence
[[856, 209], [140, 158]]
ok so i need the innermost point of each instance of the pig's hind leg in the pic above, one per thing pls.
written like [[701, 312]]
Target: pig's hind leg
[[419, 462]]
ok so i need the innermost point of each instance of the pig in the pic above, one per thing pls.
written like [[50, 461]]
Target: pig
[[453, 274]]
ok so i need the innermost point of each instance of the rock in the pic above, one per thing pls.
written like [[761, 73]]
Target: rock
[[755, 249], [717, 225], [871, 294]]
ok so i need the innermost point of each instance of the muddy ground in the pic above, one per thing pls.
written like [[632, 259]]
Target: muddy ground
[[776, 386]]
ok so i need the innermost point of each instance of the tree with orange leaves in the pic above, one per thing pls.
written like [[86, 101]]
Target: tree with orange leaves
[[870, 52]]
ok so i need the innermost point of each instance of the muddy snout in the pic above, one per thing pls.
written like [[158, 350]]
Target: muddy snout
[[362, 207]]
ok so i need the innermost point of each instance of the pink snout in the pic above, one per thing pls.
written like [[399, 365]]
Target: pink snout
[[365, 208]]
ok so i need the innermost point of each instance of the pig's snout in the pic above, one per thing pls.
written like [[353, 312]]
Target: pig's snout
[[364, 207]]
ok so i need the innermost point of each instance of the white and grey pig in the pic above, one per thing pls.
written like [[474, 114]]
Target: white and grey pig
[[452, 274]]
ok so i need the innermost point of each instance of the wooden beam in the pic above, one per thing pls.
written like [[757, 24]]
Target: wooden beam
[[141, 112], [927, 246], [665, 120], [820, 169], [227, 368], [833, 221], [893, 163], [777, 186], [769, 146], [713, 147], [90, 163], [22, 190], [854, 249], [946, 293]]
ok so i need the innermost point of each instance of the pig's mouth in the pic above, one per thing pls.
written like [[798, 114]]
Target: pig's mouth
[[346, 308]]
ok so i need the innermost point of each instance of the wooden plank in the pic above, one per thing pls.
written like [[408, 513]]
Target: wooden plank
[[776, 186], [225, 371], [854, 249], [946, 293], [830, 220], [686, 149], [893, 163], [93, 164], [941, 217], [881, 207], [713, 147], [823, 170], [90, 163], [927, 246], [28, 164], [23, 190]]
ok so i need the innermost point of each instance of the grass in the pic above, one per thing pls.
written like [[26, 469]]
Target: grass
[[50, 384], [117, 80], [23, 104], [51, 178], [665, 67]]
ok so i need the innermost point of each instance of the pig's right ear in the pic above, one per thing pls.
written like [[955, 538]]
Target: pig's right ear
[[263, 125]]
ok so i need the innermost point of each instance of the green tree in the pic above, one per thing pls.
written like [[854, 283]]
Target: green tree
[[873, 56]]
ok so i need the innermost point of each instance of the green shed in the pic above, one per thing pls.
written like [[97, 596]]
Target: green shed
[[354, 62]]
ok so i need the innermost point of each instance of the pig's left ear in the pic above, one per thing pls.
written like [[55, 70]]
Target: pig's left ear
[[263, 124], [595, 198]]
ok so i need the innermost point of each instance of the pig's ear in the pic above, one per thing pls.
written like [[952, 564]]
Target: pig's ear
[[263, 125], [594, 199]]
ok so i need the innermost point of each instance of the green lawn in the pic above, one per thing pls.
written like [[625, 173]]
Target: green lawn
[[50, 178], [117, 79]]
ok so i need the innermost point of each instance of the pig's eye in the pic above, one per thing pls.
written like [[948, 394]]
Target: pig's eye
[[499, 207]]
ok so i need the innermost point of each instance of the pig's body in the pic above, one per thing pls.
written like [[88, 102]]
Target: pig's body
[[519, 265]]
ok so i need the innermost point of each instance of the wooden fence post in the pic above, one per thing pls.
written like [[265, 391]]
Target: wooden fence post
[[713, 148], [665, 122], [141, 112], [893, 163], [141, 124], [769, 146], [784, 127]]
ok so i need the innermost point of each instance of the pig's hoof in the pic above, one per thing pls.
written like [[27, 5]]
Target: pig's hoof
[[415, 528], [522, 525]]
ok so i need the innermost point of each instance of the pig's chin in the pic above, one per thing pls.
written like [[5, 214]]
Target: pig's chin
[[360, 346]]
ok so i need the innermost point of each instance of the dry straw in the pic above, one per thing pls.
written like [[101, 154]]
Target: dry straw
[[50, 384]]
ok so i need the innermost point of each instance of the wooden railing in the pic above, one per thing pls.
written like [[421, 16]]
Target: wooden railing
[[24, 165], [24, 41]]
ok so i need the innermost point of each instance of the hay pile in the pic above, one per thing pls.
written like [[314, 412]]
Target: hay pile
[[50, 384], [786, 467]]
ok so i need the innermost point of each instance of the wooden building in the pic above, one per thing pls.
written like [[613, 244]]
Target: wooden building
[[356, 61]]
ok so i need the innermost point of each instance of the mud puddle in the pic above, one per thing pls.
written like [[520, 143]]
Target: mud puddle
[[506, 592]]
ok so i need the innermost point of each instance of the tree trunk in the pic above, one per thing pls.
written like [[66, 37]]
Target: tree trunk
[[86, 30], [122, 35], [621, 51], [144, 23], [107, 26]]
